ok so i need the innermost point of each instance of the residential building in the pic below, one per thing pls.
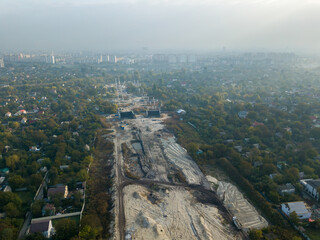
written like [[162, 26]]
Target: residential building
[[63, 190], [312, 186], [44, 227], [299, 207], [287, 188], [24, 120], [242, 114]]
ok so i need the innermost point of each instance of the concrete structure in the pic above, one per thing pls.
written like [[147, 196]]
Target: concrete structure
[[298, 207], [153, 113], [287, 188], [129, 115], [312, 187], [44, 227]]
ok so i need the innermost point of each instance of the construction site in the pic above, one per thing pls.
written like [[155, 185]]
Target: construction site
[[160, 192]]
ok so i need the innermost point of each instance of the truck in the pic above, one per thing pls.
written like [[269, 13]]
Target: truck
[[237, 223]]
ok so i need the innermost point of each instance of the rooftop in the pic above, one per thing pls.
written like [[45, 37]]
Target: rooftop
[[313, 183], [298, 207], [40, 226]]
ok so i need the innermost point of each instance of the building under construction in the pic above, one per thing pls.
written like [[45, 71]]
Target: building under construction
[[127, 115], [153, 113]]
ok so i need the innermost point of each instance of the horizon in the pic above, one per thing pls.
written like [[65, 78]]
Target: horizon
[[160, 25]]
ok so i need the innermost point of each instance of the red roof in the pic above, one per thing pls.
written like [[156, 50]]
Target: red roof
[[257, 124]]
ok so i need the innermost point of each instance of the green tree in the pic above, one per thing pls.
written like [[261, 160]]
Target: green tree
[[16, 181], [255, 234], [88, 233], [65, 229], [11, 210], [7, 234], [293, 217], [36, 236], [12, 161], [36, 208]]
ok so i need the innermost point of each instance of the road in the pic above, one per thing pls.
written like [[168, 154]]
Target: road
[[120, 180]]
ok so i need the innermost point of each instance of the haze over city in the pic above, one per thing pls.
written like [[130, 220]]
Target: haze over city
[[207, 25]]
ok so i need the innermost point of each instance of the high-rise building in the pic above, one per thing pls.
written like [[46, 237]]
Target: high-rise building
[[113, 59], [52, 59], [1, 63]]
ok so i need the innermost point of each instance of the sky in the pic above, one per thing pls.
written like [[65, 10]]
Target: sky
[[193, 25]]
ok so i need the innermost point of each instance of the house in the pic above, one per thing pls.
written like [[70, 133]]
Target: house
[[75, 134], [255, 124], [34, 149], [8, 114], [6, 188], [63, 190], [299, 207], [24, 120], [287, 188], [281, 165], [181, 111], [242, 114], [44, 227], [312, 187], [273, 175], [5, 170], [2, 179], [301, 175], [238, 148], [86, 147], [63, 167], [257, 163]]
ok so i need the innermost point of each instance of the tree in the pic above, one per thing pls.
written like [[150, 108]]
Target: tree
[[315, 224], [16, 181], [255, 234], [293, 217], [65, 229], [36, 236], [7, 234], [11, 210], [88, 233], [37, 208], [12, 161], [9, 197]]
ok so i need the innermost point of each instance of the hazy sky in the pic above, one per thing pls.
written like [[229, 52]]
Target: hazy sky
[[160, 24]]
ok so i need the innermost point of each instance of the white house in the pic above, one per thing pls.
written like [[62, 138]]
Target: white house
[[8, 114], [298, 207], [24, 120], [287, 188], [312, 186]]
